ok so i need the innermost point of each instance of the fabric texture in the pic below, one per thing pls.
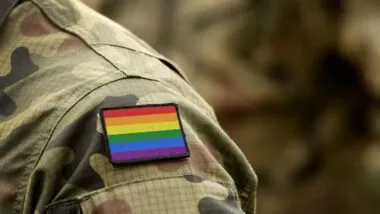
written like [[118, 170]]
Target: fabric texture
[[60, 62]]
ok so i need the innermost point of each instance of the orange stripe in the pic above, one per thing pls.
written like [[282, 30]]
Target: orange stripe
[[154, 118]]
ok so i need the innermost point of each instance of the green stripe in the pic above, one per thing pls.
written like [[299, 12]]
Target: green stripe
[[124, 138]]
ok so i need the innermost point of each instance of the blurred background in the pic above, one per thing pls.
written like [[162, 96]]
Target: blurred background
[[295, 84]]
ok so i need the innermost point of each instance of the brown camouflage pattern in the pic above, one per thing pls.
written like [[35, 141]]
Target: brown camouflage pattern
[[294, 82], [59, 63]]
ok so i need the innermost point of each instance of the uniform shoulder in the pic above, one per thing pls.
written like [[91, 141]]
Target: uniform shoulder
[[106, 37]]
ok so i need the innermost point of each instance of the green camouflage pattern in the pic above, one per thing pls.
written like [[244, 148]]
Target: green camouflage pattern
[[295, 83], [60, 62]]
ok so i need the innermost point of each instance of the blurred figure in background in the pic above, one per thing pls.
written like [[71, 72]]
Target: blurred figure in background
[[294, 82]]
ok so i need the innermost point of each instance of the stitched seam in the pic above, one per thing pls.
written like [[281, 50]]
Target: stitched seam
[[207, 114], [39, 154], [38, 151], [63, 203], [61, 118], [250, 201], [87, 196], [177, 70], [51, 17], [127, 48]]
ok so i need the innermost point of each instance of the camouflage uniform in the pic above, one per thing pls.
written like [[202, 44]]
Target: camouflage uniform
[[295, 83], [59, 63]]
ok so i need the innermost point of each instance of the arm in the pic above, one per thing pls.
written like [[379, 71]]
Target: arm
[[216, 178]]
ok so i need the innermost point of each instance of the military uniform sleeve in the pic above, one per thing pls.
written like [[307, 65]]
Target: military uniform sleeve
[[216, 178]]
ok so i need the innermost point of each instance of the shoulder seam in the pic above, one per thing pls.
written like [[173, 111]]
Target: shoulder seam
[[63, 29], [58, 24], [172, 66]]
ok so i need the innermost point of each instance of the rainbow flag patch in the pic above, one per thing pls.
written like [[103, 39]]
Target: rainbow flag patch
[[143, 133]]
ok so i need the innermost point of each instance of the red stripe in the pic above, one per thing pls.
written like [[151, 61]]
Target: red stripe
[[136, 111]]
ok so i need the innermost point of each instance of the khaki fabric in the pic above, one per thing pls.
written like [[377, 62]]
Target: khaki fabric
[[295, 83], [59, 63]]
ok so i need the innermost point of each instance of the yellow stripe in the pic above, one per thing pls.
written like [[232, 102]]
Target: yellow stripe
[[148, 127]]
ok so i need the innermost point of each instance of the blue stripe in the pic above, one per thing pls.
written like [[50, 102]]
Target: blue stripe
[[144, 145]]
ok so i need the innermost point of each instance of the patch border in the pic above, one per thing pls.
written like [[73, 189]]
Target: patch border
[[142, 160]]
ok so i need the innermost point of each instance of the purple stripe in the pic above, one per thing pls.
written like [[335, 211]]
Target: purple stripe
[[152, 153]]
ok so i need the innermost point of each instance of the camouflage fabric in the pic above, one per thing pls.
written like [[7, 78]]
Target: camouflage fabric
[[60, 62], [295, 83]]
